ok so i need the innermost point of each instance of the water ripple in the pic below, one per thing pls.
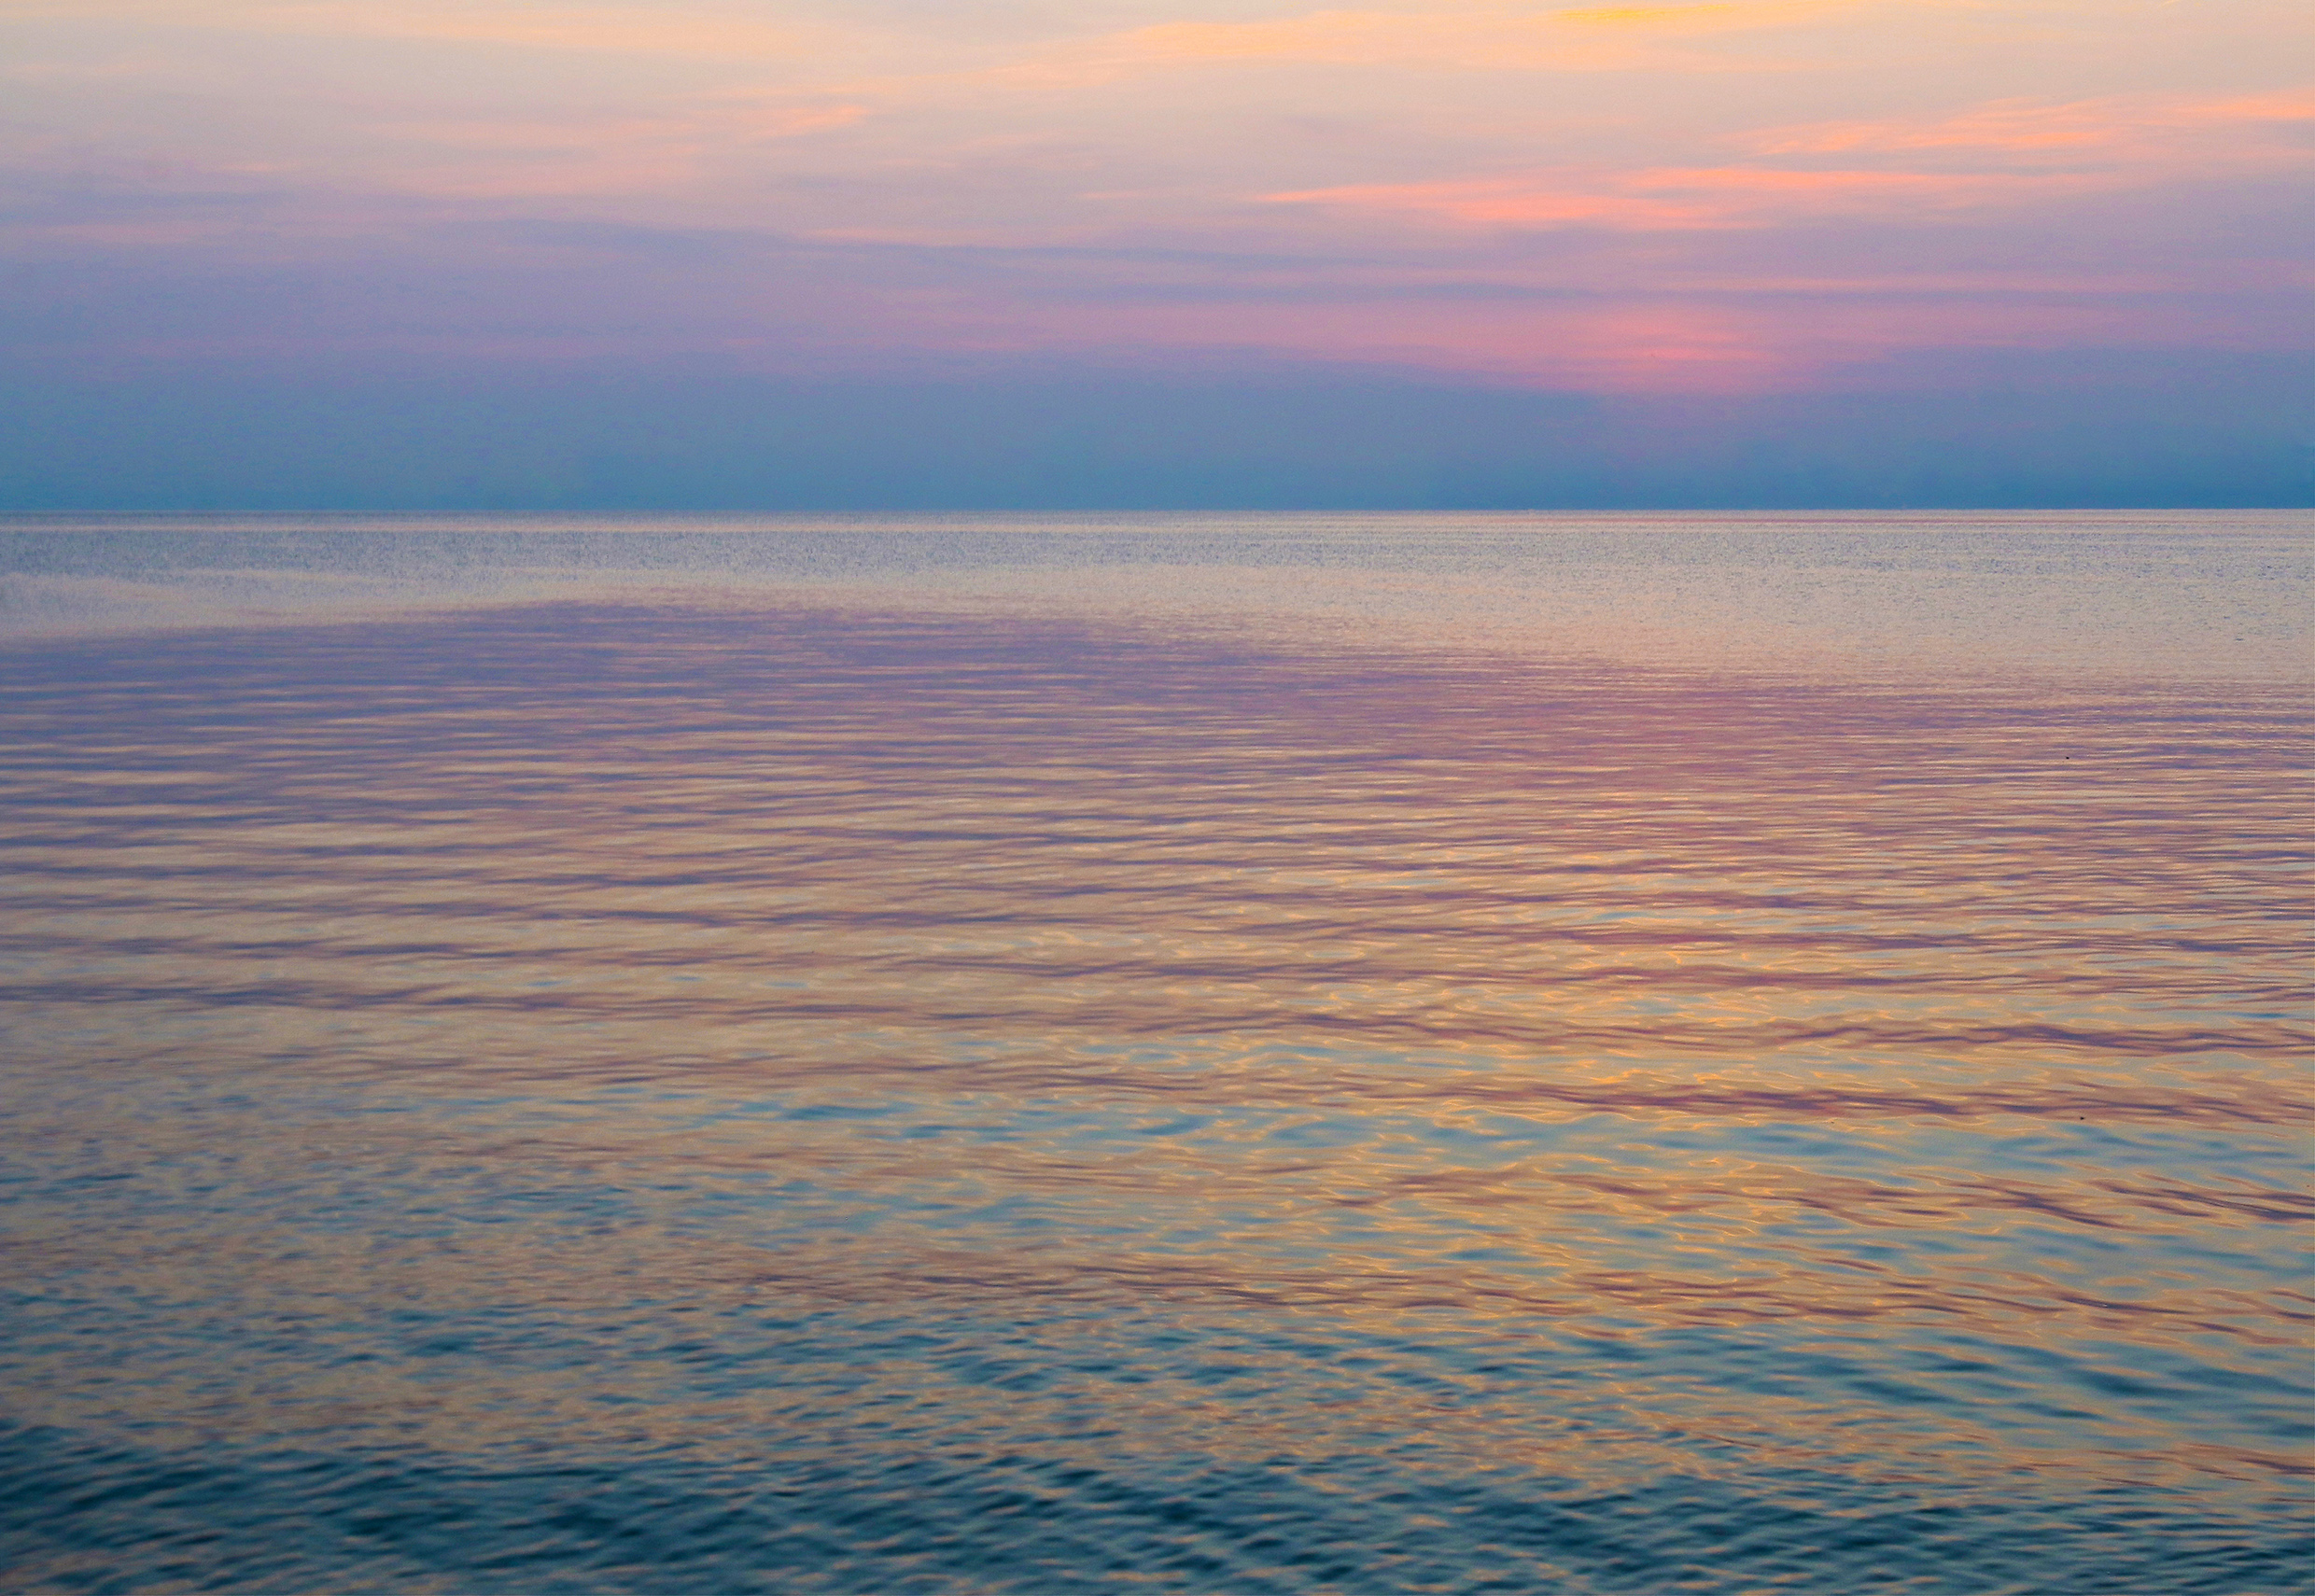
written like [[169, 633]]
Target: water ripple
[[654, 1097]]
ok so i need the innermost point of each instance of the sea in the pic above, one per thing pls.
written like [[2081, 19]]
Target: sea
[[1238, 1055]]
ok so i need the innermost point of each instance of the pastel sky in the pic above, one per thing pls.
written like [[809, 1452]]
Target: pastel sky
[[1690, 212]]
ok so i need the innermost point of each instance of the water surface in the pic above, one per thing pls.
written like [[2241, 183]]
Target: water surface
[[1202, 1053]]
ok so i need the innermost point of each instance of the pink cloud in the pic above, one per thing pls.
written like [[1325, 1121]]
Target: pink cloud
[[1699, 342], [2018, 153]]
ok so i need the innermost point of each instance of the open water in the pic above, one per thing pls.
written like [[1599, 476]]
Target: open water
[[1202, 1054]]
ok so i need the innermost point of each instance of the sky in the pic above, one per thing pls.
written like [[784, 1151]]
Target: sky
[[495, 254]]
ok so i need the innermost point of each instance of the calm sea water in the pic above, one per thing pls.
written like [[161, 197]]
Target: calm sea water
[[1199, 1053]]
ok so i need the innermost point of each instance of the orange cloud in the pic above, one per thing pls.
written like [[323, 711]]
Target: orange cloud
[[1698, 19], [1500, 37], [2064, 150], [2122, 127], [599, 157], [624, 29], [1681, 198]]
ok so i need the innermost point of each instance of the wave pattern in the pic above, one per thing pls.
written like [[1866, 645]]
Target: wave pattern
[[654, 1097]]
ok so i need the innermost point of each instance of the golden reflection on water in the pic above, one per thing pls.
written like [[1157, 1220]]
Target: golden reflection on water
[[1941, 1049]]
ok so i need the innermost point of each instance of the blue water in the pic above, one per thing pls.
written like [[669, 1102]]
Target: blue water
[[1032, 1056]]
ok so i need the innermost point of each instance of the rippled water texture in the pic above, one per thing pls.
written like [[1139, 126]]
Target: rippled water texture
[[679, 1088]]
